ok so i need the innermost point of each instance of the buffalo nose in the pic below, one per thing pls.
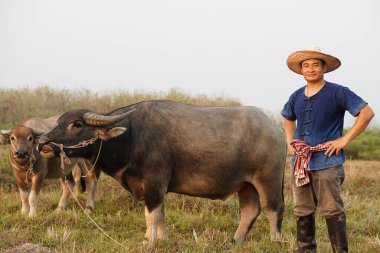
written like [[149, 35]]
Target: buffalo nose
[[21, 154]]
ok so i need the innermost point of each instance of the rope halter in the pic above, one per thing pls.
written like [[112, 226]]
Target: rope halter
[[82, 144]]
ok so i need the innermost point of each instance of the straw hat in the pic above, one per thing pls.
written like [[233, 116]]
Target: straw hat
[[295, 59]]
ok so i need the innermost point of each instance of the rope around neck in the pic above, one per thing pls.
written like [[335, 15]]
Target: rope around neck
[[96, 160], [30, 163]]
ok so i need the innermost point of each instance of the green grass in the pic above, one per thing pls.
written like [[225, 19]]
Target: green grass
[[366, 146], [194, 224]]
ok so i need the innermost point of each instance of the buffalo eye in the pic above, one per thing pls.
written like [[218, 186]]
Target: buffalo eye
[[30, 138], [13, 138], [76, 124]]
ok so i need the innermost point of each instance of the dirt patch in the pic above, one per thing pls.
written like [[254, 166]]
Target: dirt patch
[[29, 248]]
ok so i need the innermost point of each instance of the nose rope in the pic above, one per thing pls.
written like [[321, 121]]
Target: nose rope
[[82, 144], [13, 146]]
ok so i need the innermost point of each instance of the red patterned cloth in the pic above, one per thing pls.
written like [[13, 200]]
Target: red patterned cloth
[[301, 163]]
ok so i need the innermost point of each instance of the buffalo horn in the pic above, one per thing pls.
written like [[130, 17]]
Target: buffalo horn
[[38, 132], [94, 119]]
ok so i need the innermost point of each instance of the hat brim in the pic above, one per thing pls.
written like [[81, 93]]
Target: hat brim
[[295, 59]]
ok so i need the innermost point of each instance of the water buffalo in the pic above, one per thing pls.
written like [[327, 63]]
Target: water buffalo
[[155, 147], [29, 166]]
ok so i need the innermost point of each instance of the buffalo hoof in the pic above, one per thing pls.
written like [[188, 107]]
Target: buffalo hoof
[[32, 214], [238, 241], [25, 211], [89, 209], [277, 238]]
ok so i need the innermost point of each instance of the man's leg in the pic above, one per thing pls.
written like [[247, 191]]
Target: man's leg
[[306, 234], [304, 206], [327, 184], [336, 226]]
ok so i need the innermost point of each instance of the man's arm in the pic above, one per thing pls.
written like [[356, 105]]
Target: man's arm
[[365, 116], [290, 128]]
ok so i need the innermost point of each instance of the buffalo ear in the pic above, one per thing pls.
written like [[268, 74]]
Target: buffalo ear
[[4, 136], [107, 134]]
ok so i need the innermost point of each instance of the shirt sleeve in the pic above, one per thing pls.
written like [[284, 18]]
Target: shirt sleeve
[[351, 102], [288, 110]]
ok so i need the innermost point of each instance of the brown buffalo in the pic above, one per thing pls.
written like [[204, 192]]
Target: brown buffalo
[[29, 167]]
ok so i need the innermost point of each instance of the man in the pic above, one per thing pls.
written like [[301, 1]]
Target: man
[[317, 141]]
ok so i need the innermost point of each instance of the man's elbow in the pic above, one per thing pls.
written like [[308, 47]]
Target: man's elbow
[[368, 113]]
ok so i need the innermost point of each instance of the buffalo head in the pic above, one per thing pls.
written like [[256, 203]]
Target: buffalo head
[[77, 126], [22, 141]]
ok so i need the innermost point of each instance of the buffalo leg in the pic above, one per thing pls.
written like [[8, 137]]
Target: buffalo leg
[[249, 211], [155, 222], [275, 220], [161, 224], [77, 177], [65, 192], [154, 212], [272, 202], [90, 181], [24, 194], [33, 196]]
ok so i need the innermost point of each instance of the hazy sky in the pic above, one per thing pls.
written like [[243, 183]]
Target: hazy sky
[[233, 48]]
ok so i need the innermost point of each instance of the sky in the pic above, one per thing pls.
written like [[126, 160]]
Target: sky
[[236, 49]]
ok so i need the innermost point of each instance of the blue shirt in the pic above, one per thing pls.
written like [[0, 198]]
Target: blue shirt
[[320, 119]]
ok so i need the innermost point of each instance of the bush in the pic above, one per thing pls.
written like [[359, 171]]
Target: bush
[[366, 146]]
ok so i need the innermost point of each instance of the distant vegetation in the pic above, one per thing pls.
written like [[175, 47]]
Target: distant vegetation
[[17, 105], [366, 146]]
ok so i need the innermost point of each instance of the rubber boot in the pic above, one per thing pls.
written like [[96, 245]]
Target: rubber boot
[[336, 226], [306, 234]]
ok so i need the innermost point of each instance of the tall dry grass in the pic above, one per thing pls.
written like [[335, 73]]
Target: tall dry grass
[[43, 102]]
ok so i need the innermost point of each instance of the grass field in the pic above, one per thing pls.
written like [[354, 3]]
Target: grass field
[[194, 224]]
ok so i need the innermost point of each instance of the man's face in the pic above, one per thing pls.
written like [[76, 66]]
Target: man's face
[[313, 70]]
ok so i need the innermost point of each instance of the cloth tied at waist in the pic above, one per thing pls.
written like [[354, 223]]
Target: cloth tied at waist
[[301, 163]]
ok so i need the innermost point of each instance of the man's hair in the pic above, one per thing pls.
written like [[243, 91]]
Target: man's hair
[[322, 61]]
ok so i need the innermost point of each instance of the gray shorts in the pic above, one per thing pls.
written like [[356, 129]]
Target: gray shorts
[[322, 193]]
